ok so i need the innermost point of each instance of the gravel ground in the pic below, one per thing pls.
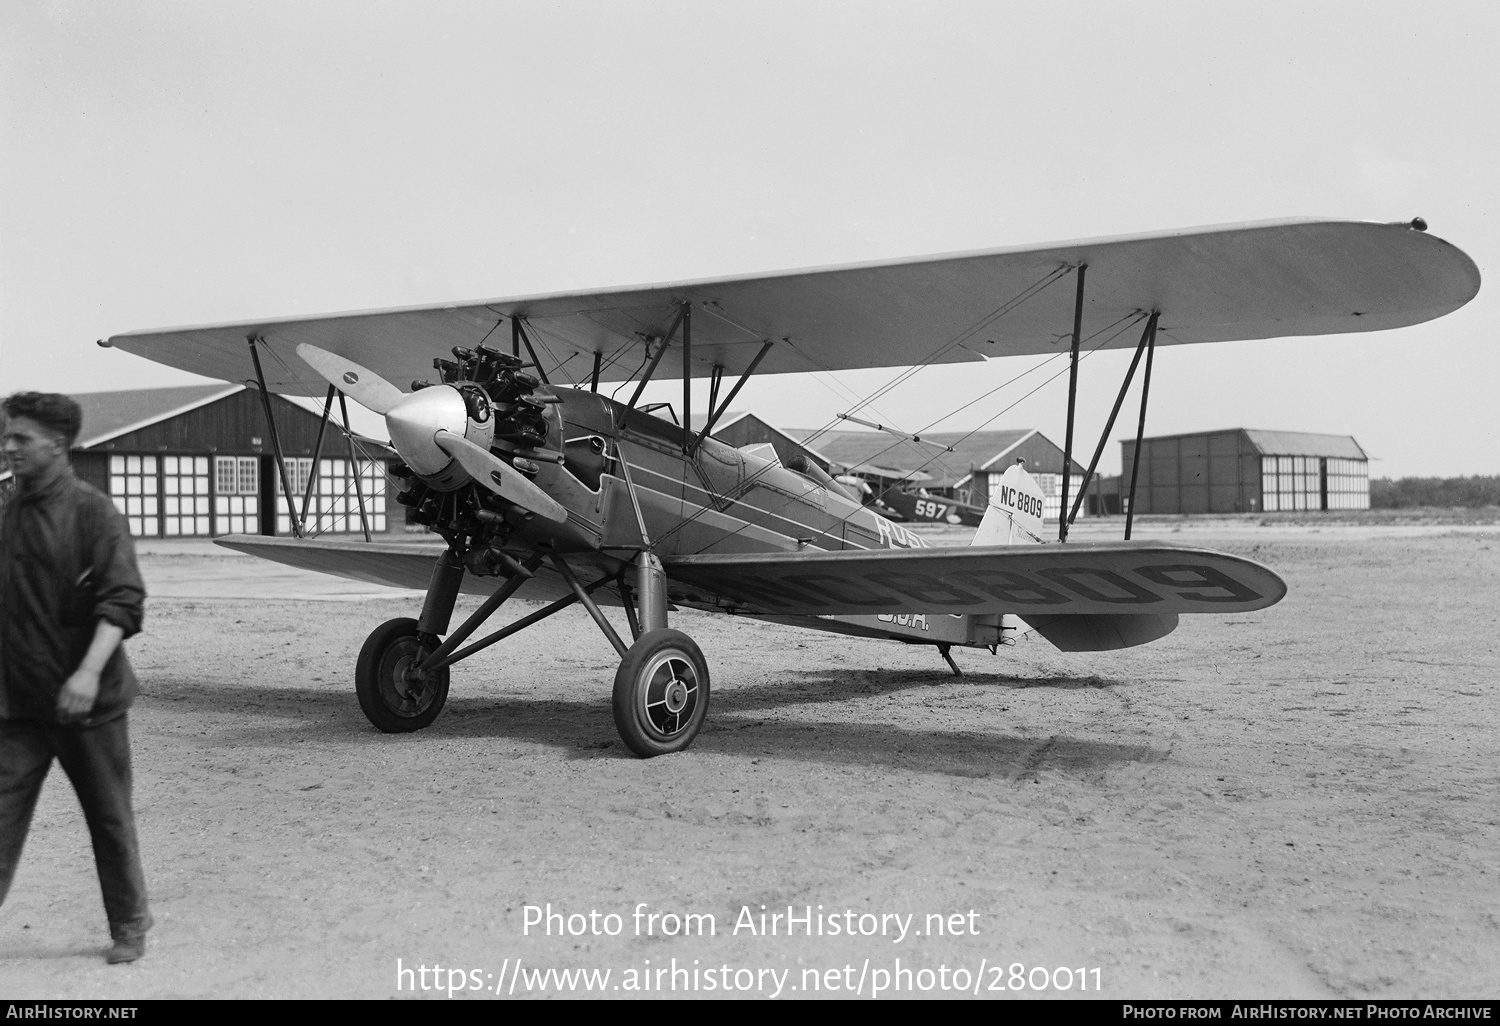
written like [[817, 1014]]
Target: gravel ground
[[1300, 802]]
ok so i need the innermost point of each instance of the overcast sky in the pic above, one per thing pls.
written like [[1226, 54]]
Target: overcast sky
[[174, 163]]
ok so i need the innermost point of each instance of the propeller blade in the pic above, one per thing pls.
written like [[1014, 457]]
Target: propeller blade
[[361, 384], [499, 477]]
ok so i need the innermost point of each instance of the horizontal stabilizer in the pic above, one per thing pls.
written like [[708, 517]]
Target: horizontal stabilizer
[[1102, 632]]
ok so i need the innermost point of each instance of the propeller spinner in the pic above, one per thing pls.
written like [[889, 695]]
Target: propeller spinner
[[443, 432]]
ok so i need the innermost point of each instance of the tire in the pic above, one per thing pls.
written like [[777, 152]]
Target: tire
[[393, 701], [661, 693]]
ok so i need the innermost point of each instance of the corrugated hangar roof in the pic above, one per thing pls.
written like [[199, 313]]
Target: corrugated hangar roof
[[1302, 443], [108, 415], [971, 450], [1278, 443]]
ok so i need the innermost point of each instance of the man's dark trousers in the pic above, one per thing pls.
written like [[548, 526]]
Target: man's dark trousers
[[97, 761]]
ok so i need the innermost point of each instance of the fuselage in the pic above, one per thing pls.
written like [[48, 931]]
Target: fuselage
[[719, 499]]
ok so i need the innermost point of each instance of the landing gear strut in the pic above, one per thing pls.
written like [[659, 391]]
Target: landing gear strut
[[661, 688]]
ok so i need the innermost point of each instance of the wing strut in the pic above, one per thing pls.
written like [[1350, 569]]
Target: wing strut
[[687, 381], [666, 340], [1062, 522], [312, 476], [715, 414], [265, 405], [355, 469], [715, 379], [1148, 338], [517, 337], [1140, 431]]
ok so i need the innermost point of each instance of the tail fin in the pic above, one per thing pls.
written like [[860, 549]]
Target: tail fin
[[1014, 516]]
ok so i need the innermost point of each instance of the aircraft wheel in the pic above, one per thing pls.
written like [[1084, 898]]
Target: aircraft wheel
[[392, 694], [661, 693]]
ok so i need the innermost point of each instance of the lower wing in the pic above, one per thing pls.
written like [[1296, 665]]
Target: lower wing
[[1031, 581], [1039, 582]]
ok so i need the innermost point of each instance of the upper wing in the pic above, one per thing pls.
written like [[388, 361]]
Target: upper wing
[[1260, 280], [1026, 580]]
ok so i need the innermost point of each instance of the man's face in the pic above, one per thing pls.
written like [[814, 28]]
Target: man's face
[[32, 450]]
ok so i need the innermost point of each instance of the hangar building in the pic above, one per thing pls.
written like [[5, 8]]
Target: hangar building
[[966, 474], [197, 460], [1241, 470]]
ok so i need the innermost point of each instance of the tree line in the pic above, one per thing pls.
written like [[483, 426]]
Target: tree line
[[1446, 492]]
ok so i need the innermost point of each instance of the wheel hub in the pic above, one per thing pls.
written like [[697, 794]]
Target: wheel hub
[[393, 694], [408, 688], [661, 693], [410, 681], [669, 698], [677, 695]]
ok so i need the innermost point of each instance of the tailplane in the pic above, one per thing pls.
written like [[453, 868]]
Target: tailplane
[[1014, 517]]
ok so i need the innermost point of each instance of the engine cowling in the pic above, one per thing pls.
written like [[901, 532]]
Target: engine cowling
[[487, 397]]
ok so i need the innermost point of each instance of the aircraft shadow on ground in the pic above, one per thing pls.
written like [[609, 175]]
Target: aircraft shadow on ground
[[585, 728], [808, 686]]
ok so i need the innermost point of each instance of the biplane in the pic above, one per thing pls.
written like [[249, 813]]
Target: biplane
[[919, 508], [541, 485]]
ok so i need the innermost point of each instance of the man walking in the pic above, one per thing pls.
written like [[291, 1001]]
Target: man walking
[[69, 594]]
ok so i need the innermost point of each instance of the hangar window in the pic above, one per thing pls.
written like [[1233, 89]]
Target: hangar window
[[1051, 486], [135, 487], [226, 475], [335, 501], [1348, 484], [1314, 483], [186, 506], [236, 475], [236, 495]]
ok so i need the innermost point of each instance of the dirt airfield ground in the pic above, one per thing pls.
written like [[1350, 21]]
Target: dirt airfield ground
[[1300, 802]]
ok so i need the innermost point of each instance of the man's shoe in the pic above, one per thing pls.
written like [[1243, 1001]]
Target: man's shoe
[[126, 949], [129, 939]]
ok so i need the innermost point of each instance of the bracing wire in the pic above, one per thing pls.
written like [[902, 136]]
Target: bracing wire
[[1036, 287], [942, 349], [1009, 305], [1119, 327], [1124, 323]]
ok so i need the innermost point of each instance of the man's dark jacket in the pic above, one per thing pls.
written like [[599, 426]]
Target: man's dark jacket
[[66, 562]]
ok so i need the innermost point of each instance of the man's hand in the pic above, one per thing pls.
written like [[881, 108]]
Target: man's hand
[[76, 699]]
